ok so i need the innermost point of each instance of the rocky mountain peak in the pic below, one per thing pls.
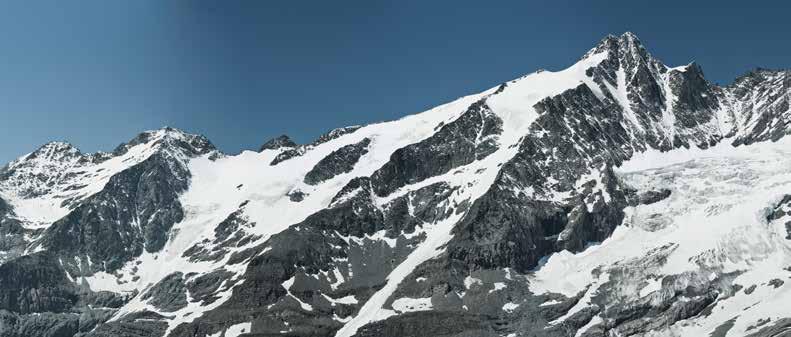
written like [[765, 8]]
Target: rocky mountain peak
[[32, 175], [50, 156], [171, 140], [278, 142], [625, 45], [759, 76], [54, 151]]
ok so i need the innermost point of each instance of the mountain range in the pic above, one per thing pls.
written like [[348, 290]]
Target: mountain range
[[617, 197]]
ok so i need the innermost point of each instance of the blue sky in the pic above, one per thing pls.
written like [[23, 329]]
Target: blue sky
[[97, 72]]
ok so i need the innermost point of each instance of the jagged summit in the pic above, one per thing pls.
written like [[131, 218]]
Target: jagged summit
[[57, 146], [277, 143], [625, 44], [61, 174], [169, 138], [56, 151], [166, 137], [758, 75]]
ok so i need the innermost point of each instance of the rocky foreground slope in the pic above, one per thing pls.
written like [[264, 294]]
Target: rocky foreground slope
[[618, 197]]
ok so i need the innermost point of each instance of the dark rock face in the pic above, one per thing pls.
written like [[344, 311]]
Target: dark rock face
[[48, 325], [229, 233], [427, 324], [688, 97], [695, 98], [296, 195], [508, 228], [776, 282], [135, 210], [169, 294], [130, 329], [5, 208], [51, 324], [335, 134], [278, 142], [472, 136], [650, 197], [777, 329], [288, 154], [103, 299], [761, 96], [35, 283], [12, 233], [781, 210], [294, 150], [338, 162], [203, 288]]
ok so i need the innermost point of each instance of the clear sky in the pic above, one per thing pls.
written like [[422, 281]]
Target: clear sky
[[97, 72]]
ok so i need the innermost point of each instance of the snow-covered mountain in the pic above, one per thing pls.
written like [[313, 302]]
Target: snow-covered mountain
[[617, 197]]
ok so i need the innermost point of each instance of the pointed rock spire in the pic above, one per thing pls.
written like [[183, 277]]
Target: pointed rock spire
[[627, 46]]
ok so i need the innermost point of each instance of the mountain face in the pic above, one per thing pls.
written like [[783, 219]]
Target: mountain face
[[617, 197]]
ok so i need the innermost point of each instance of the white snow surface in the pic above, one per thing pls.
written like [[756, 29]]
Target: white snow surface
[[405, 304]]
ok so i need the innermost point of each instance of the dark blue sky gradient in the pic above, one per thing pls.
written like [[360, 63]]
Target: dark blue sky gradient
[[97, 72]]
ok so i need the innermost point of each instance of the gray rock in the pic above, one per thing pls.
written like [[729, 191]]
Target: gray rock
[[130, 329], [135, 211], [470, 137], [335, 134], [650, 197], [288, 154], [12, 234], [338, 162], [277, 143], [779, 328], [35, 283], [204, 287], [169, 294], [776, 282]]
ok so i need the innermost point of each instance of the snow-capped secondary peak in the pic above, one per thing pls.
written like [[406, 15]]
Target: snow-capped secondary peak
[[37, 167], [55, 150], [169, 139], [52, 153], [44, 185]]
